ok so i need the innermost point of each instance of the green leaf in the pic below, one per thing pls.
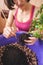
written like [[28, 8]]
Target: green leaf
[[36, 34]]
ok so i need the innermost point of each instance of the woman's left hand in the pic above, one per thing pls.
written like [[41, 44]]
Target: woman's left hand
[[31, 40]]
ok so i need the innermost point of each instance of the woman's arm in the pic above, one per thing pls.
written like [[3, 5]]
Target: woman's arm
[[10, 19], [9, 30]]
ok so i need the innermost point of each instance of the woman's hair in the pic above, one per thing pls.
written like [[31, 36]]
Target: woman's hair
[[10, 3], [28, 0], [17, 55]]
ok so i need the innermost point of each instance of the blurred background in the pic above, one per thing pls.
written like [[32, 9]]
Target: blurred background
[[3, 10]]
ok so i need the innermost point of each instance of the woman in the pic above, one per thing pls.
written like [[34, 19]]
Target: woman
[[22, 16], [8, 34]]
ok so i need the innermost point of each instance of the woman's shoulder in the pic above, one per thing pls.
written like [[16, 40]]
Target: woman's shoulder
[[12, 12]]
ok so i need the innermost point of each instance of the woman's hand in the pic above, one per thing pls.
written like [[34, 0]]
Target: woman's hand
[[31, 40], [8, 32]]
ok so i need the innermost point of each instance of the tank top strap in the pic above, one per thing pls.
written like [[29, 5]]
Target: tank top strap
[[32, 11], [16, 13]]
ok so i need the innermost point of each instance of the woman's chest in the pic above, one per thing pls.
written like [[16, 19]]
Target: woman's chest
[[23, 16], [23, 21], [26, 15]]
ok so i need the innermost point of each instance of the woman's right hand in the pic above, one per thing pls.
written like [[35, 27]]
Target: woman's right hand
[[31, 40], [8, 32]]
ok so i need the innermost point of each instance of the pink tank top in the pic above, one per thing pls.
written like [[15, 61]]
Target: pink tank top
[[24, 26]]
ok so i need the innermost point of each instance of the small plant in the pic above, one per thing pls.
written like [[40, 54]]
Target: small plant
[[37, 24]]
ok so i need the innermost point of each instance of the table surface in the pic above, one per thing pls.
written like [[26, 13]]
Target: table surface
[[37, 47]]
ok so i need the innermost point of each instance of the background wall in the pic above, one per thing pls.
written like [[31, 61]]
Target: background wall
[[2, 21], [2, 5], [36, 2]]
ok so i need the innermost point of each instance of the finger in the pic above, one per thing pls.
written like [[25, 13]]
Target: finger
[[13, 34], [12, 28], [7, 29], [6, 33], [28, 41], [13, 31], [32, 38], [10, 31]]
